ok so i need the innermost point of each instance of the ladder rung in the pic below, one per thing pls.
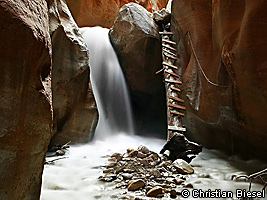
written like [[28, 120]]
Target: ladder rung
[[168, 52], [166, 33], [168, 41], [170, 65], [176, 89], [177, 106], [173, 81], [176, 99], [169, 47], [170, 56], [176, 128], [177, 113], [172, 73]]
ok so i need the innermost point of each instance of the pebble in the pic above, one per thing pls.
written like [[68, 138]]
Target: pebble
[[146, 173], [183, 167], [154, 192], [189, 185], [135, 185], [173, 193], [118, 156], [143, 149], [178, 181]]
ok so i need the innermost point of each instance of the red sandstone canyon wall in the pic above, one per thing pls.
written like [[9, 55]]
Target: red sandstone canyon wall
[[230, 41], [103, 13], [25, 110]]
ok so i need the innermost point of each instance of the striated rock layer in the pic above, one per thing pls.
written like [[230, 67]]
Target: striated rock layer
[[137, 42], [74, 107], [103, 13], [25, 113], [230, 40]]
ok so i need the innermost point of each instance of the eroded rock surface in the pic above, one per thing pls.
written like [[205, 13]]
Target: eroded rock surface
[[25, 111], [74, 107], [103, 13], [229, 38], [137, 42]]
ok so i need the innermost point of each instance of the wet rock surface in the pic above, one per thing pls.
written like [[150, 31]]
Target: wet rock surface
[[151, 175], [136, 41]]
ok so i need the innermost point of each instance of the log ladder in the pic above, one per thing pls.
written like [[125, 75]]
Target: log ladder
[[175, 108]]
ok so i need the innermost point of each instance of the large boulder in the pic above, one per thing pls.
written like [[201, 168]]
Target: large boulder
[[229, 41], [137, 42], [25, 112], [74, 107], [103, 13]]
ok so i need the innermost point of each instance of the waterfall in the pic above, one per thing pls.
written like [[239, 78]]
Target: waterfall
[[108, 84]]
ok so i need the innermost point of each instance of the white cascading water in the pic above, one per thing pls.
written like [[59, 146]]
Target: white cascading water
[[108, 84], [75, 175]]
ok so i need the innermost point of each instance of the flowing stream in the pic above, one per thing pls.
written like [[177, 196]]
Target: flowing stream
[[75, 175]]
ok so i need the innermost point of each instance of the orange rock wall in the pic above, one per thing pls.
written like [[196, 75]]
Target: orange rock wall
[[230, 40], [103, 13]]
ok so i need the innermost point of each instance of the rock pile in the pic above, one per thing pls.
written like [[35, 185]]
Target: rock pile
[[146, 173]]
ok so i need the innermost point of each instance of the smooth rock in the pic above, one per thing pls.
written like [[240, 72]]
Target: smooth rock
[[183, 167], [137, 43], [135, 184], [103, 13], [154, 192], [143, 149], [75, 114], [118, 156], [25, 96], [231, 52], [173, 193]]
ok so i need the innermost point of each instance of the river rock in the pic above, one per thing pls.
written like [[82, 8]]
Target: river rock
[[25, 100], [173, 193], [143, 149], [117, 156], [103, 13], [183, 167], [74, 108], [231, 52], [155, 173], [135, 185], [136, 41], [155, 191]]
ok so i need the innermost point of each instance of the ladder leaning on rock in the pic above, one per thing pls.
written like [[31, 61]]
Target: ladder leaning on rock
[[175, 109]]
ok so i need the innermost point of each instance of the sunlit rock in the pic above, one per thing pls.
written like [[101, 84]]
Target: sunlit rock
[[137, 42], [103, 13], [25, 110], [74, 108]]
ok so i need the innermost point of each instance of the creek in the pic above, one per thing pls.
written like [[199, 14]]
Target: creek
[[75, 175]]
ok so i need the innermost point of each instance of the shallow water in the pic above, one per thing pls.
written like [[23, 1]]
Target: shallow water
[[76, 176]]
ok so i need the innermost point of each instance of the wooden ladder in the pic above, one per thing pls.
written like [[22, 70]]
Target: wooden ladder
[[172, 79]]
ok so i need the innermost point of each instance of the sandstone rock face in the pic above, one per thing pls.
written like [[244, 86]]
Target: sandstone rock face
[[229, 39], [74, 107], [25, 112], [136, 40], [103, 13]]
